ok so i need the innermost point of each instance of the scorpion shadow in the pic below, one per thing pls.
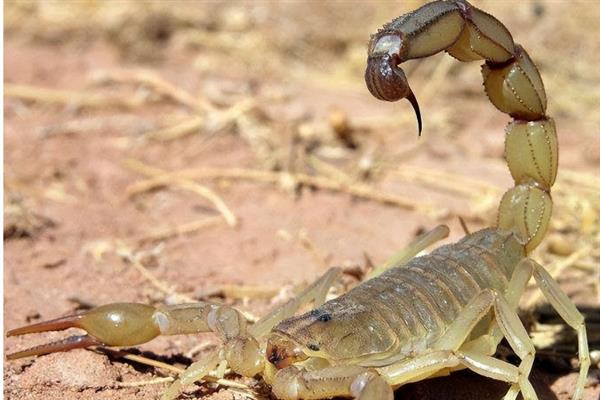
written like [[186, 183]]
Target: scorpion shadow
[[466, 385]]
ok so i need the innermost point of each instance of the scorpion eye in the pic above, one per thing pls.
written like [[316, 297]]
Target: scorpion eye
[[324, 317], [313, 347]]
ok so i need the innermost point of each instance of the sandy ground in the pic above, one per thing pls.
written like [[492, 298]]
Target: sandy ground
[[73, 225]]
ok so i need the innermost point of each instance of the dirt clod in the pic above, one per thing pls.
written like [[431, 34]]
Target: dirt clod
[[77, 369]]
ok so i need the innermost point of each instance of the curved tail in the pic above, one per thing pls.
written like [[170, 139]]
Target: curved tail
[[512, 83]]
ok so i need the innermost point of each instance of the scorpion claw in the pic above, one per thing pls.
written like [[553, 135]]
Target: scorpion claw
[[118, 324], [70, 343], [58, 324]]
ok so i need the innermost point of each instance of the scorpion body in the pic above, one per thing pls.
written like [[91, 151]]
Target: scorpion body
[[425, 316], [408, 309]]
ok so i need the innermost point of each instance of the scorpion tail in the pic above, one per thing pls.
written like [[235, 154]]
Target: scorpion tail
[[512, 82], [415, 104], [387, 82]]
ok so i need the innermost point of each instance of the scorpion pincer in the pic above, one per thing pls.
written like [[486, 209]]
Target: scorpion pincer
[[424, 317]]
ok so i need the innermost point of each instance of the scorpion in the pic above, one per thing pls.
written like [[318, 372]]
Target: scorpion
[[422, 317]]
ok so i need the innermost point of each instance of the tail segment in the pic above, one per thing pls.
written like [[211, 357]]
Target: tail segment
[[531, 147], [512, 83]]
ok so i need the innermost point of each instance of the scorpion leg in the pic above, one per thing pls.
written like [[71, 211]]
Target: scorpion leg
[[442, 360], [509, 325], [488, 342], [463, 325], [428, 364], [431, 363], [460, 329], [514, 331], [419, 244], [242, 352], [567, 310], [563, 305], [291, 383]]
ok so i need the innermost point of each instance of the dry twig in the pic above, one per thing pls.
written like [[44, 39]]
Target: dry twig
[[355, 189], [187, 184], [163, 233], [134, 259], [158, 364], [155, 83], [181, 129], [67, 97]]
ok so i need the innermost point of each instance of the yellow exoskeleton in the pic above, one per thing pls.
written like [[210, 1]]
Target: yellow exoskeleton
[[423, 317]]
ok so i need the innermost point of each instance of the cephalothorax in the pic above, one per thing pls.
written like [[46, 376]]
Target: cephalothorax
[[425, 316]]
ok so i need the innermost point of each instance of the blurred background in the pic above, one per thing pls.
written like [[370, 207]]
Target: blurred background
[[230, 151]]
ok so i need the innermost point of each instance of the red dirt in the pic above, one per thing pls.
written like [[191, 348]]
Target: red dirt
[[72, 187]]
